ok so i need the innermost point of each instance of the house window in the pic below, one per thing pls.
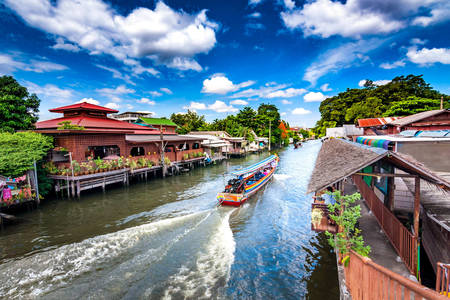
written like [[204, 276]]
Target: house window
[[196, 146], [184, 146], [102, 151], [169, 148], [137, 151]]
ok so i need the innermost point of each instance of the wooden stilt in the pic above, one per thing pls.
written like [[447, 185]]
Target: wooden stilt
[[416, 206]]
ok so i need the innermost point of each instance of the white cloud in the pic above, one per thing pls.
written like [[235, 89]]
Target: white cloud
[[89, 100], [395, 64], [326, 18], [340, 58], [163, 34], [287, 93], [11, 63], [117, 74], [325, 87], [283, 114], [427, 56], [146, 101], [221, 107], [119, 90], [289, 4], [220, 84], [51, 92], [439, 12], [166, 90], [300, 111], [255, 15], [155, 93], [112, 105], [129, 106], [239, 102], [196, 106], [61, 45], [184, 64], [254, 2], [284, 101], [417, 41], [314, 97], [376, 82]]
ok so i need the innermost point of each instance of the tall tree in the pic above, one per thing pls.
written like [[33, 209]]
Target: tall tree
[[188, 122], [18, 109], [413, 105]]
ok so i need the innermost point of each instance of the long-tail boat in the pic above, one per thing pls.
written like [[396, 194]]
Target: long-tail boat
[[248, 181]]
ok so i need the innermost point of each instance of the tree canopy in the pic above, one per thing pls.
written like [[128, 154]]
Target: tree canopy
[[188, 122], [19, 150], [18, 109], [404, 95]]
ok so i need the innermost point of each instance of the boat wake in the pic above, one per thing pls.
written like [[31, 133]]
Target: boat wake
[[187, 256]]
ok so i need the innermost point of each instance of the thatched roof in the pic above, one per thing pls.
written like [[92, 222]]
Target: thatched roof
[[338, 159]]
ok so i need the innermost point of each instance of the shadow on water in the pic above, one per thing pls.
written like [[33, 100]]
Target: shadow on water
[[166, 239]]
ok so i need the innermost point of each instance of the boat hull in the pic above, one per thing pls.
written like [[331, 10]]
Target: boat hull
[[229, 199]]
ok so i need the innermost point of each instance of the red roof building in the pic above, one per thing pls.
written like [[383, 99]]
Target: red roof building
[[101, 136]]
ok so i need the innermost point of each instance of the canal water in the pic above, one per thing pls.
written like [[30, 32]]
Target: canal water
[[166, 239]]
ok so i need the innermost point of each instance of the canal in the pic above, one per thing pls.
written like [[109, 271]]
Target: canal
[[166, 239]]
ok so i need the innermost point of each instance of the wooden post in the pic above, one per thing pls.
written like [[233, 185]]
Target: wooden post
[[391, 189], [78, 188], [416, 206], [36, 182], [442, 102]]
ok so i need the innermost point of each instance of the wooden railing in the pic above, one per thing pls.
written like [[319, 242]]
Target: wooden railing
[[367, 280], [404, 242], [443, 279]]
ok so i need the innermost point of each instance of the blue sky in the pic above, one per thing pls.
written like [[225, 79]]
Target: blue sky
[[216, 56]]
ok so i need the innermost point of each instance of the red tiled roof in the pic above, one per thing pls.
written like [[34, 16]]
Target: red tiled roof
[[374, 122], [83, 106], [97, 124]]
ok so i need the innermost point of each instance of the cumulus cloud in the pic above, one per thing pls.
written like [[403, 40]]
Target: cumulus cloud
[[325, 87], [300, 111], [218, 106], [427, 56], [354, 18], [284, 101], [50, 92], [166, 90], [10, 63], [395, 64], [61, 45], [168, 36], [146, 101], [289, 4], [342, 57], [239, 102], [220, 84], [195, 106], [114, 94], [89, 100], [314, 97], [287, 93], [112, 105]]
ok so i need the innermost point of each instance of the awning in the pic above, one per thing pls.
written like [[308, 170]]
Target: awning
[[379, 143], [212, 145], [255, 167]]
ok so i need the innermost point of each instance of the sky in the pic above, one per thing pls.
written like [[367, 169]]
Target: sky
[[215, 56]]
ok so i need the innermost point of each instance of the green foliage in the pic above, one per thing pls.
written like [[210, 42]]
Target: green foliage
[[188, 122], [18, 109], [346, 216], [19, 150], [45, 183], [67, 125], [374, 101], [413, 105]]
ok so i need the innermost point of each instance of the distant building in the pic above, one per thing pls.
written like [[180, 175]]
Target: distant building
[[130, 116], [166, 125], [238, 144], [438, 119], [347, 131]]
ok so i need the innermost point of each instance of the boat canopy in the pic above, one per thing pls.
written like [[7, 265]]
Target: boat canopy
[[255, 167]]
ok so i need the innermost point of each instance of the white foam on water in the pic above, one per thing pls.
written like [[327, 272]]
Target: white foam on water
[[213, 265], [41, 273], [281, 177]]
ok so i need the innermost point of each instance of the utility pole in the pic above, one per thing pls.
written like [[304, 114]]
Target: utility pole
[[442, 102], [163, 164], [270, 127]]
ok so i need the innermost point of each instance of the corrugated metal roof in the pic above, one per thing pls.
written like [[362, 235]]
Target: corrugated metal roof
[[434, 133], [374, 122], [417, 117]]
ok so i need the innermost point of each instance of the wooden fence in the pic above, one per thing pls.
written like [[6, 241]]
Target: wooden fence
[[367, 280], [404, 242], [443, 279]]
